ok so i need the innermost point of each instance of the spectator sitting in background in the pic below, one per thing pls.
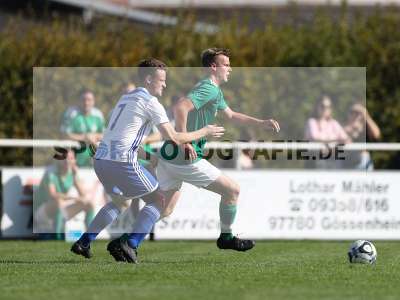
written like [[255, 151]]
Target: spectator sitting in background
[[85, 127], [361, 128], [53, 202], [322, 127]]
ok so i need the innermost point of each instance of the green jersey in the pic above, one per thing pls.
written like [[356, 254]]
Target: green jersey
[[207, 99], [62, 183], [82, 124]]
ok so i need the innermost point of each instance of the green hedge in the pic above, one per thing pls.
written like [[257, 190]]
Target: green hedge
[[372, 41]]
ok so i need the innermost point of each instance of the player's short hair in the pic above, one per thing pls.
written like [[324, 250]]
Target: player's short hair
[[84, 92], [208, 56], [149, 67]]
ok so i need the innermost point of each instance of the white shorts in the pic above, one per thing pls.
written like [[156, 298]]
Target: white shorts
[[200, 174]]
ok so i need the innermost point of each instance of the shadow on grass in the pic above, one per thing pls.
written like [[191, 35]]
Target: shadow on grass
[[33, 262], [181, 262]]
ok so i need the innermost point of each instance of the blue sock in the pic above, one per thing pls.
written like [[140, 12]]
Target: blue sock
[[104, 217], [145, 221]]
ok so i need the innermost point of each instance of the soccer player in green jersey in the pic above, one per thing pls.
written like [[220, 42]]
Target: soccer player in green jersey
[[86, 127], [194, 111]]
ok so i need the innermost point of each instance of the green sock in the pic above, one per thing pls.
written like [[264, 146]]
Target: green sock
[[227, 214]]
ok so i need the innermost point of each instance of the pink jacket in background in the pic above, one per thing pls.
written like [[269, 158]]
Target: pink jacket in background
[[324, 131]]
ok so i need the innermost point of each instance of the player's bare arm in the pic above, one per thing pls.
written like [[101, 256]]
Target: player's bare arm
[[77, 136], [168, 132], [244, 120], [58, 197], [91, 138]]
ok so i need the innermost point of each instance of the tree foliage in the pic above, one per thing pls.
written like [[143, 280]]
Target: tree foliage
[[371, 41]]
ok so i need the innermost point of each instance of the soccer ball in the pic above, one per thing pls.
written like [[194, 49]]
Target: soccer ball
[[362, 252]]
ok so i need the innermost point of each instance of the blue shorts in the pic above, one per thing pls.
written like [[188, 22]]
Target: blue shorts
[[125, 179]]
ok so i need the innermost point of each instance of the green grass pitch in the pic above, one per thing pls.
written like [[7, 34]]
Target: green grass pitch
[[198, 270]]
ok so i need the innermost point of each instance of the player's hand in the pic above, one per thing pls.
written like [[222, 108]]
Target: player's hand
[[271, 124], [90, 138], [359, 108], [190, 152], [93, 138], [215, 131]]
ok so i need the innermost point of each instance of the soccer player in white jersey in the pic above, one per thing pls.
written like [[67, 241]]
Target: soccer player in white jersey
[[116, 163]]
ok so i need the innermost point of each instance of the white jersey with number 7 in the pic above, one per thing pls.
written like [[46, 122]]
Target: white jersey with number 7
[[130, 122]]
